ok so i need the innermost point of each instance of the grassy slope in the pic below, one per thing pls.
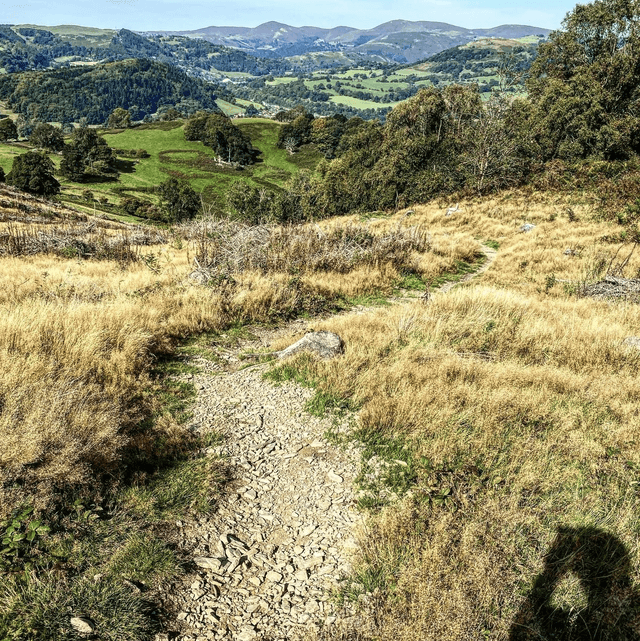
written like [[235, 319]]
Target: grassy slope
[[88, 374], [505, 411], [172, 155], [274, 167], [505, 414]]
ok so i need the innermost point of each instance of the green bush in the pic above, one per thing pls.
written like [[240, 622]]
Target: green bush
[[33, 172]]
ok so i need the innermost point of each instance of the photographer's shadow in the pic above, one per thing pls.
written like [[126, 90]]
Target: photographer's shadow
[[601, 563]]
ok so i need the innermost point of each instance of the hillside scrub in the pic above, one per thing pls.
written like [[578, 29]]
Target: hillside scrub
[[577, 128], [516, 418], [225, 247]]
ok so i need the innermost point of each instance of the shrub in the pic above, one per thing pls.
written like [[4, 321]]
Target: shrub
[[47, 136]]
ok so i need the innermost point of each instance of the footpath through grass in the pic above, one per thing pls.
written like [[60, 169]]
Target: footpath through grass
[[97, 462]]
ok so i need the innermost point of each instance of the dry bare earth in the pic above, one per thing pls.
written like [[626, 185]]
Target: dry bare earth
[[277, 545]]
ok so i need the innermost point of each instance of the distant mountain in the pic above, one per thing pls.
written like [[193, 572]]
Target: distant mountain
[[394, 41]]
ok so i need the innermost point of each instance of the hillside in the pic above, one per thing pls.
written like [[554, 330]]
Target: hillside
[[246, 71], [29, 47], [168, 154], [481, 62], [459, 428], [93, 92], [272, 48], [388, 391]]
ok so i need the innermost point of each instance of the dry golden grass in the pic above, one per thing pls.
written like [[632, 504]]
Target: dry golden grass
[[518, 405], [516, 399], [78, 337], [541, 435]]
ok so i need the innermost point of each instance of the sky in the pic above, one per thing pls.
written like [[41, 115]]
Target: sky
[[166, 15]]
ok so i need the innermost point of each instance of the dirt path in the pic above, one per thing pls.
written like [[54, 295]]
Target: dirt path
[[490, 255], [283, 535]]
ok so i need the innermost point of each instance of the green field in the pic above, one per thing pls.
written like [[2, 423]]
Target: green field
[[173, 156], [228, 109], [246, 103], [7, 154]]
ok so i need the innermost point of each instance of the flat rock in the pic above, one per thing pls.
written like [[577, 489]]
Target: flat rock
[[208, 563], [83, 625], [323, 344]]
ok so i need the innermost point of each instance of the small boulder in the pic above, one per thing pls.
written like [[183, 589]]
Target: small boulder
[[527, 227], [199, 277], [324, 344], [632, 343], [82, 625]]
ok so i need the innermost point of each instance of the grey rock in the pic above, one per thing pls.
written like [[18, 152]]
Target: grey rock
[[311, 563], [527, 227], [208, 563], [632, 343], [274, 577], [301, 575], [83, 625], [324, 344]]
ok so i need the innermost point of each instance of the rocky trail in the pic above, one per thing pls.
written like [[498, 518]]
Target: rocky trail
[[282, 537]]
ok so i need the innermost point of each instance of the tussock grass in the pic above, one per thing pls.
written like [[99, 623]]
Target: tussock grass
[[505, 451], [505, 417], [78, 337], [232, 247], [505, 410], [44, 608]]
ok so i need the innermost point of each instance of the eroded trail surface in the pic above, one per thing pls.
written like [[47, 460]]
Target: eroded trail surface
[[282, 535]]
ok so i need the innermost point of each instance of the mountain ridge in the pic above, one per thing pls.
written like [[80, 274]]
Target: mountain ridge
[[396, 40]]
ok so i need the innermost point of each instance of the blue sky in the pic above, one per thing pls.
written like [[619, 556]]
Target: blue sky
[[192, 14]]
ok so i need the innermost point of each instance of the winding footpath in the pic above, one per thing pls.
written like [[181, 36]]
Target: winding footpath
[[283, 535]]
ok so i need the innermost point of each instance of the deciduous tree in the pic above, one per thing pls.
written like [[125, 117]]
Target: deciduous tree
[[585, 83], [33, 172], [179, 200], [47, 137], [119, 118], [88, 154], [8, 130]]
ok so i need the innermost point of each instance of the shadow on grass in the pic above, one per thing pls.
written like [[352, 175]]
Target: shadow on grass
[[611, 610]]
